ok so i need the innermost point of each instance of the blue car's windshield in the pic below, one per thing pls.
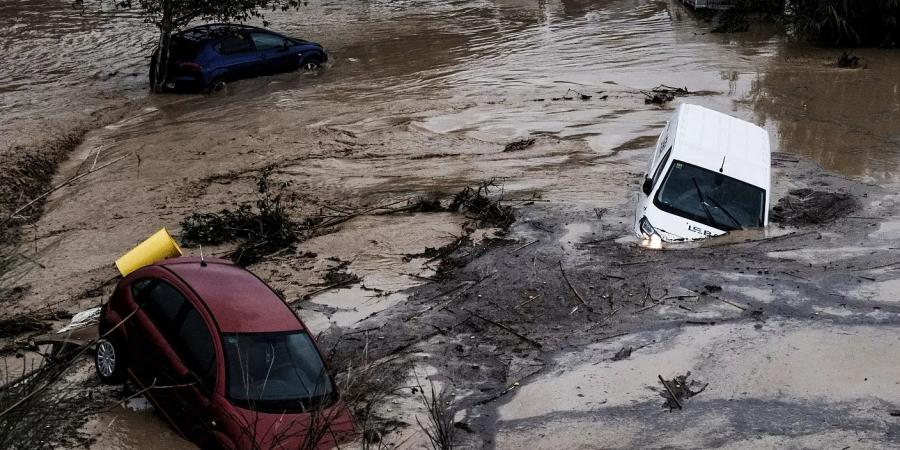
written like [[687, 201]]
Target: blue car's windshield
[[711, 198], [276, 371]]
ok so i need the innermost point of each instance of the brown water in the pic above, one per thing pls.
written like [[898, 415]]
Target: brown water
[[489, 60], [420, 96]]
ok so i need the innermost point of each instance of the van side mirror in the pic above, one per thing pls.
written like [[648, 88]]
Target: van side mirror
[[647, 186]]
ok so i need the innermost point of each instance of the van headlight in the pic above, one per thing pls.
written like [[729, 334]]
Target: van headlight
[[650, 238]]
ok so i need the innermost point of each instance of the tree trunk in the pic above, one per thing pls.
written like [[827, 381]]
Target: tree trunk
[[166, 28]]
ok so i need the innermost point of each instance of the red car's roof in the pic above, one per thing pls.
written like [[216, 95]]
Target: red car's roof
[[237, 300]]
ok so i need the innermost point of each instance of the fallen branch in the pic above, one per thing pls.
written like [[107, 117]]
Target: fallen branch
[[732, 304], [509, 388], [669, 390], [646, 308], [328, 288], [570, 284], [508, 329], [526, 245]]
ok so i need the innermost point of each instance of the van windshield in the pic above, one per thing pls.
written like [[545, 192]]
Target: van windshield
[[711, 198], [276, 371]]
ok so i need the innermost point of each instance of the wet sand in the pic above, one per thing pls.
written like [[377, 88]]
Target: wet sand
[[421, 100]]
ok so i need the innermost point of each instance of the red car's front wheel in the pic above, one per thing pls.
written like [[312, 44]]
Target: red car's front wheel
[[109, 361]]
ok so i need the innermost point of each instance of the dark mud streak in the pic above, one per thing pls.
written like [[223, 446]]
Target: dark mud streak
[[29, 169], [747, 419]]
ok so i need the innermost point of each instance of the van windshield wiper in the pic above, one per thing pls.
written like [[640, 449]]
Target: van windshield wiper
[[703, 202], [730, 216]]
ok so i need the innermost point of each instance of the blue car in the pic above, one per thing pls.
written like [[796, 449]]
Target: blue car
[[207, 57]]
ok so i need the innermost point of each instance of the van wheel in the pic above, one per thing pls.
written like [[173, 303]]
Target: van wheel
[[109, 361]]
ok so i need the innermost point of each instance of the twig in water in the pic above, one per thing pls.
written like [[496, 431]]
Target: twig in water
[[533, 298], [570, 284], [534, 343], [733, 304], [646, 308], [526, 245]]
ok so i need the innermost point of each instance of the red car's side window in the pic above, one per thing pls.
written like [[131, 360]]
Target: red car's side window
[[181, 325], [162, 303], [195, 344]]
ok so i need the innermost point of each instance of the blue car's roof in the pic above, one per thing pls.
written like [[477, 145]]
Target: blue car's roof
[[216, 30]]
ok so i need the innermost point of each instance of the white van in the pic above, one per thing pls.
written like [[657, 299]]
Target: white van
[[710, 173]]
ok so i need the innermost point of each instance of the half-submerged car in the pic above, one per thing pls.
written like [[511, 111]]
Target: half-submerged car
[[221, 356], [206, 57], [710, 174]]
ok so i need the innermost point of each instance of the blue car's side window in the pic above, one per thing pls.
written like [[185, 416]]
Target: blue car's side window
[[234, 44], [266, 41]]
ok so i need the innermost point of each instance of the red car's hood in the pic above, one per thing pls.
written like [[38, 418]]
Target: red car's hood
[[322, 430]]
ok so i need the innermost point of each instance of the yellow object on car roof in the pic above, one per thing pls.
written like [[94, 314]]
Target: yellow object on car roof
[[155, 248]]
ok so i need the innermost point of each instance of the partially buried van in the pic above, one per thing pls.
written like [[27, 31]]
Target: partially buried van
[[710, 174]]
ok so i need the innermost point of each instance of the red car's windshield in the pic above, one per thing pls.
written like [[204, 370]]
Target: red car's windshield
[[276, 371]]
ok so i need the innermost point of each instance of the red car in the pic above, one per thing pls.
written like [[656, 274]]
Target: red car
[[222, 357]]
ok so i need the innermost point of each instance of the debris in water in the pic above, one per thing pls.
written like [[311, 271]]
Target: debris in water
[[663, 94], [82, 320], [679, 389], [624, 353], [808, 207], [30, 322], [478, 205], [711, 289], [425, 204], [518, 145], [567, 97], [338, 275], [848, 61]]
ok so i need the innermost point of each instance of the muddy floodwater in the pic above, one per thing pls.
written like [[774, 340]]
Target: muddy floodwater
[[420, 99]]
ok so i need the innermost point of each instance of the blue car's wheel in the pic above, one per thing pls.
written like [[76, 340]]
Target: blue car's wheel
[[217, 85], [311, 65]]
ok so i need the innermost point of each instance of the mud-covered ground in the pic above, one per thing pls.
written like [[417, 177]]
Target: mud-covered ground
[[794, 334], [794, 330]]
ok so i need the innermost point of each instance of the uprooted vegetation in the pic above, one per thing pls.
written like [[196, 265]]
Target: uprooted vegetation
[[266, 226], [810, 207], [263, 230], [829, 22], [484, 205]]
